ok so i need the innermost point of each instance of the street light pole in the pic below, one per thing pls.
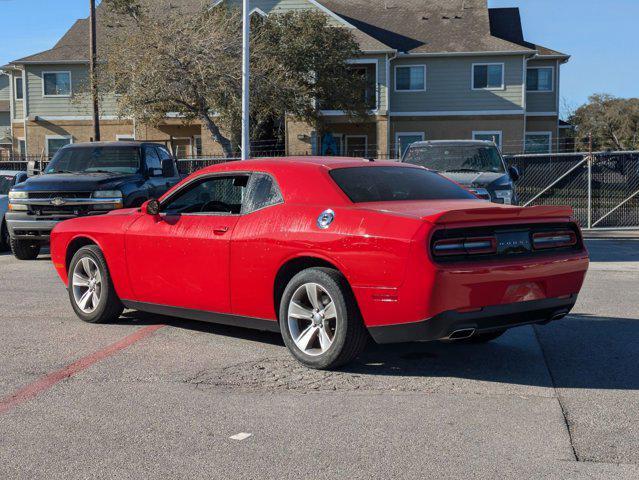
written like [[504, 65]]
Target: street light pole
[[246, 81], [93, 63]]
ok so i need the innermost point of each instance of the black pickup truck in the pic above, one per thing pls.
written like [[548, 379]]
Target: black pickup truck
[[86, 179]]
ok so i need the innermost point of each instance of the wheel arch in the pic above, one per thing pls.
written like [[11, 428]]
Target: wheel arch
[[294, 266], [76, 244]]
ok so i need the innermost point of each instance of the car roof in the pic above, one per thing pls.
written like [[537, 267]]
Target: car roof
[[302, 179], [453, 143], [330, 163]]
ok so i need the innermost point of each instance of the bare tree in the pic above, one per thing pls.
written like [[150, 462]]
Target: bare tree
[[191, 65], [613, 122]]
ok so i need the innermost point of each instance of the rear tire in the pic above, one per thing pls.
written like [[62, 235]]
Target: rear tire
[[25, 249], [91, 290], [320, 321]]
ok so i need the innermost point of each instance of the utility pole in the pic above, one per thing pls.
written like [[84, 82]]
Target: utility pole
[[93, 64], [246, 81]]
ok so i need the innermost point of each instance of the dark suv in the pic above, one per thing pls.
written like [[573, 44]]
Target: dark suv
[[476, 165], [86, 179]]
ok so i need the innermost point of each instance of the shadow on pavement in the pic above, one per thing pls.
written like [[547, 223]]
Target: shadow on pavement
[[582, 351], [622, 250]]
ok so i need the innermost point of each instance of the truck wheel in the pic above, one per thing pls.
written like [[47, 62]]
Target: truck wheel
[[319, 319], [4, 237], [25, 249], [91, 291]]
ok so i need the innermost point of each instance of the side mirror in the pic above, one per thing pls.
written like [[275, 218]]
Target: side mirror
[[21, 177], [168, 170], [151, 207], [514, 173]]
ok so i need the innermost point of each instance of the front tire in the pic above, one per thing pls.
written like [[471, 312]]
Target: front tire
[[319, 319], [91, 290], [25, 249], [4, 237]]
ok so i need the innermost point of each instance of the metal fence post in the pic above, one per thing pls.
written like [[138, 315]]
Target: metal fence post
[[590, 191]]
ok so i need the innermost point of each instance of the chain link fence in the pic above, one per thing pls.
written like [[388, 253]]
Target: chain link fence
[[602, 187]]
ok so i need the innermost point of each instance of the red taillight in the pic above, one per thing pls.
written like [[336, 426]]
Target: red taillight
[[465, 246], [545, 240]]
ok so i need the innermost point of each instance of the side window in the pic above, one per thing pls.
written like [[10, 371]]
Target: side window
[[164, 153], [152, 159], [262, 192], [213, 195]]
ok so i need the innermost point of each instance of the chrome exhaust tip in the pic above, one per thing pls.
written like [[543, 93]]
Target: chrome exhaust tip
[[462, 334]]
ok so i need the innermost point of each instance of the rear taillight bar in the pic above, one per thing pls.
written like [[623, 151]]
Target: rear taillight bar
[[546, 240], [465, 246]]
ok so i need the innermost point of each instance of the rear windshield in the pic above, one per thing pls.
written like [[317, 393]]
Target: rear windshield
[[6, 182], [394, 184], [459, 158], [96, 160]]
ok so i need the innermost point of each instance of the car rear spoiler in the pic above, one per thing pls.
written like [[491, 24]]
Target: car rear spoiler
[[472, 215]]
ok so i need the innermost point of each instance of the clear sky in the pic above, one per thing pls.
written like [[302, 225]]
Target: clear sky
[[600, 35]]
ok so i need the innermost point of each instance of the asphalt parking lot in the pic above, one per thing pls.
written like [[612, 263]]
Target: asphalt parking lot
[[155, 397]]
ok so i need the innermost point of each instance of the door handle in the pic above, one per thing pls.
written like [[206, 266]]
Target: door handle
[[220, 230]]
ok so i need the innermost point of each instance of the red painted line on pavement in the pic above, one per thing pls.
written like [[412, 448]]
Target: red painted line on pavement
[[45, 383]]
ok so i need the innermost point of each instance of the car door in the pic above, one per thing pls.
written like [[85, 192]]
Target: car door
[[180, 258]]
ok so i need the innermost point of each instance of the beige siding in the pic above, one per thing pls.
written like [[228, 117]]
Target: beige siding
[[78, 105], [4, 87], [449, 86], [462, 128], [544, 101]]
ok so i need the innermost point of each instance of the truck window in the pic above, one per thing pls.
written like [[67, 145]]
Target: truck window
[[95, 160]]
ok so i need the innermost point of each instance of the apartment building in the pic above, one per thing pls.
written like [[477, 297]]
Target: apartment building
[[437, 69]]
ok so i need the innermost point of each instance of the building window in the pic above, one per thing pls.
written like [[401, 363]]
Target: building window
[[198, 146], [488, 76], [410, 79], [19, 88], [489, 137], [125, 138], [540, 79], [404, 140], [22, 146], [56, 84], [56, 143], [538, 142], [356, 146]]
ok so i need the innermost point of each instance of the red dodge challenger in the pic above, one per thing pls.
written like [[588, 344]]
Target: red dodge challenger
[[327, 251]]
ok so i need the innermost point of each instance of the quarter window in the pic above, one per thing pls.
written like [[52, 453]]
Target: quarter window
[[214, 195], [57, 84], [410, 78], [262, 192], [488, 76], [539, 79]]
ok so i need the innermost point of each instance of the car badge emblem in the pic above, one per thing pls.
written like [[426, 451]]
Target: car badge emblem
[[325, 219], [58, 202]]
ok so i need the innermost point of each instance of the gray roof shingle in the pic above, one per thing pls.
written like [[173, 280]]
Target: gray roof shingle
[[411, 26]]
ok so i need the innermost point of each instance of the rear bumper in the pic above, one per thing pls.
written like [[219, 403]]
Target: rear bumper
[[29, 227], [487, 319]]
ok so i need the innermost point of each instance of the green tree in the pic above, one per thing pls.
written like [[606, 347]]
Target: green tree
[[613, 123], [190, 64]]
